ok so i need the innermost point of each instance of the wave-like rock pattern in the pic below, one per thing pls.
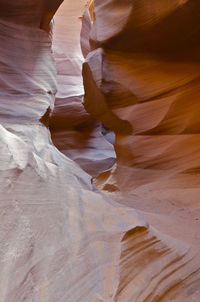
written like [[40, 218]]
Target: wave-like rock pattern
[[62, 241], [74, 131], [142, 81], [144, 73], [60, 238]]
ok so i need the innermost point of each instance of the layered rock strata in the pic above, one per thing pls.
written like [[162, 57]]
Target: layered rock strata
[[74, 131], [61, 239], [144, 73], [141, 80], [151, 82]]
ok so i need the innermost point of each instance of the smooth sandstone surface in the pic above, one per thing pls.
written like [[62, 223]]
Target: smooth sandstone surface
[[74, 131], [144, 72], [62, 240]]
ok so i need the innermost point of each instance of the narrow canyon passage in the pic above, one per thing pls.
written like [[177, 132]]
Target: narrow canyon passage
[[99, 150]]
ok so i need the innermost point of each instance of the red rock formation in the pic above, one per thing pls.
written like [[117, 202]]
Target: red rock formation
[[60, 238], [144, 73]]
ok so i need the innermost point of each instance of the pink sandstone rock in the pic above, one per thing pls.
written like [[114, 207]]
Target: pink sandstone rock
[[74, 131], [60, 238]]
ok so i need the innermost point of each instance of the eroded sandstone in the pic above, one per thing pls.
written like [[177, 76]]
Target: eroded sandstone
[[60, 238]]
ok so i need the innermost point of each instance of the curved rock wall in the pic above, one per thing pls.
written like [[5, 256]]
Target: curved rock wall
[[74, 131], [61, 240], [141, 80], [144, 73]]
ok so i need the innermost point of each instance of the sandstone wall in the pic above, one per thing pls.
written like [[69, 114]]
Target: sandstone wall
[[74, 131], [62, 240], [144, 73], [141, 80]]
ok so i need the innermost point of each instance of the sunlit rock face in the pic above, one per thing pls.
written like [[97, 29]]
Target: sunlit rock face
[[61, 240], [74, 131]]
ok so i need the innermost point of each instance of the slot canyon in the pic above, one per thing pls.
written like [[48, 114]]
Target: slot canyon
[[99, 151]]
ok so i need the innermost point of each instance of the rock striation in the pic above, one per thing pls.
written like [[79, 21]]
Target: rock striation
[[74, 131], [145, 75], [143, 69], [60, 238]]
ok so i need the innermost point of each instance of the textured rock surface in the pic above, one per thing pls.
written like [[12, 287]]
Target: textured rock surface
[[147, 86], [60, 239], [74, 131], [144, 73]]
